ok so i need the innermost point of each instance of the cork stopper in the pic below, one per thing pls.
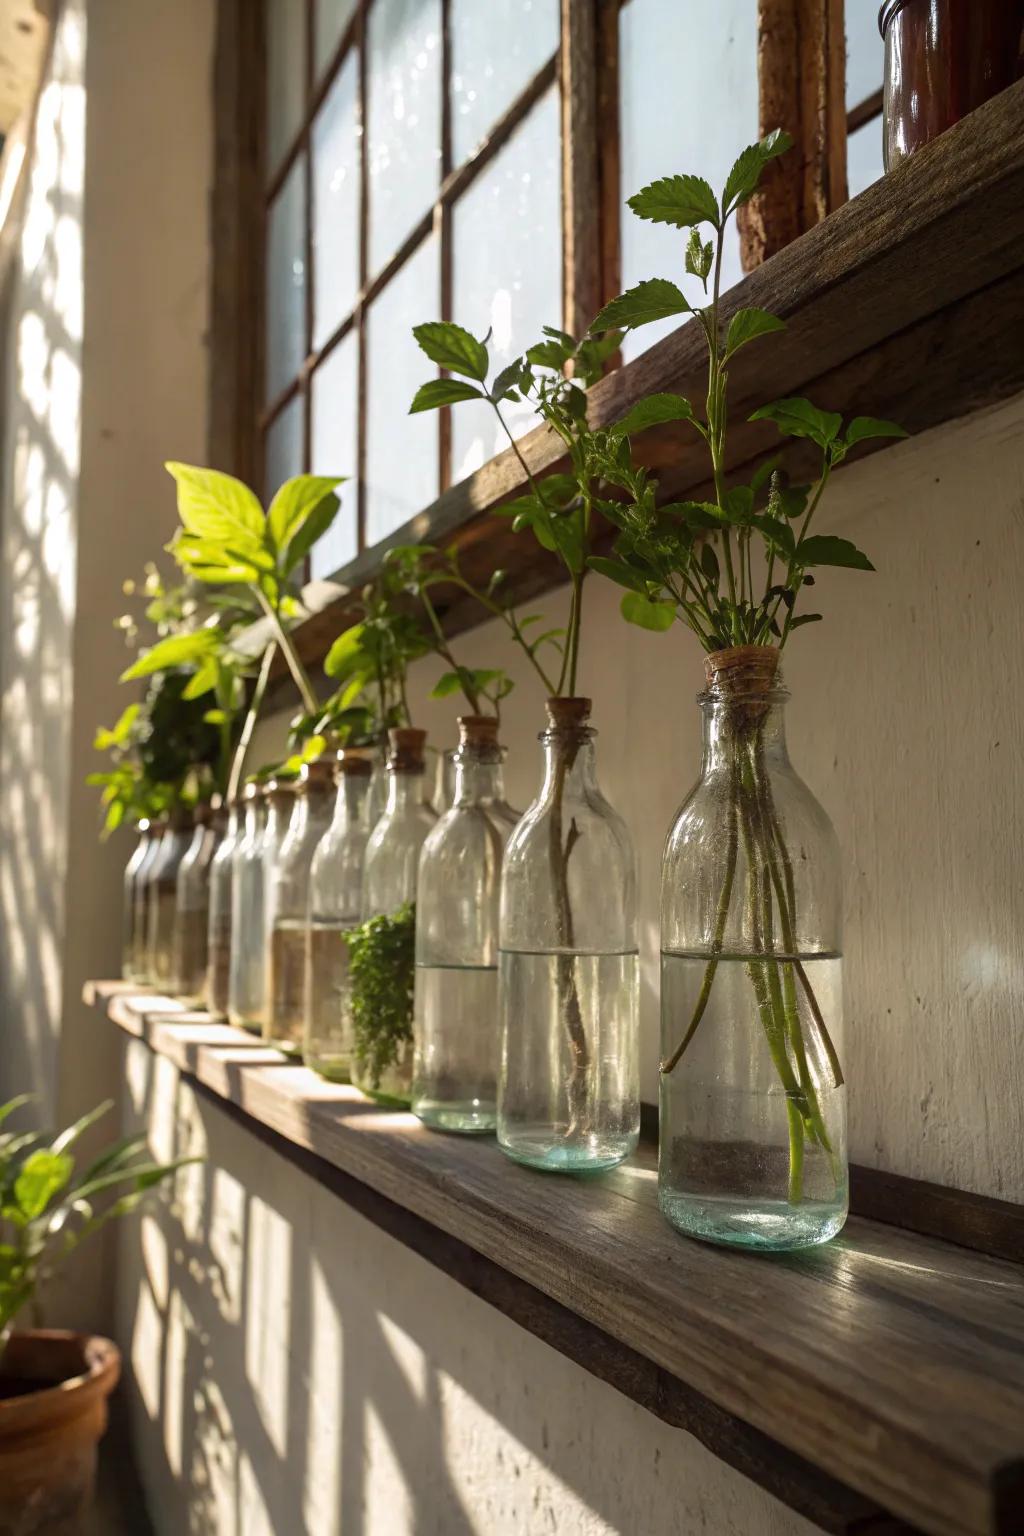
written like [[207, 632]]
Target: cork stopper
[[181, 818], [279, 790], [568, 714], [742, 671], [317, 778], [355, 763], [406, 745], [479, 731]]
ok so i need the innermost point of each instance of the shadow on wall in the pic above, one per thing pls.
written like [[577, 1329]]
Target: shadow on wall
[[295, 1372], [42, 344]]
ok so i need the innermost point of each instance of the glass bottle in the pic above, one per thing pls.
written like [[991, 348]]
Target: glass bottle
[[132, 871], [288, 905], [753, 1112], [568, 1088], [455, 1061], [218, 935], [143, 896], [382, 1046], [247, 964], [444, 781], [335, 902], [163, 896], [192, 913]]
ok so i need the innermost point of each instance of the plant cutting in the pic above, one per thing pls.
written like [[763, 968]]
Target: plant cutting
[[563, 953], [750, 896], [53, 1384]]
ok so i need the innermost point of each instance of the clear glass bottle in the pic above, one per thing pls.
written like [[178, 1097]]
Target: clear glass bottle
[[455, 1060], [288, 884], [247, 971], [382, 1048], [218, 934], [568, 1088], [192, 911], [443, 797], [753, 1111], [132, 871], [335, 904], [377, 798], [143, 896], [163, 896]]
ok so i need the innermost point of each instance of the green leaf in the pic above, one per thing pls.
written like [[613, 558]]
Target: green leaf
[[679, 200], [746, 325], [68, 1137], [777, 533], [507, 379], [826, 549], [568, 538], [119, 734], [174, 651], [452, 347], [297, 499], [738, 504], [709, 565], [202, 680], [448, 684], [312, 530], [805, 618], [742, 180], [699, 257], [41, 1176], [656, 299], [793, 500], [862, 427], [217, 506], [550, 354], [648, 614], [799, 418], [429, 397], [346, 655], [619, 572], [654, 410]]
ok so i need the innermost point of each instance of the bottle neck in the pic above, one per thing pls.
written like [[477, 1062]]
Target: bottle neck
[[350, 803], [405, 792], [479, 775], [753, 726], [569, 763]]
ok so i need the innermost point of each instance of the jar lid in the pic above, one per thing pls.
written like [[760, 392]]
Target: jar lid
[[887, 11]]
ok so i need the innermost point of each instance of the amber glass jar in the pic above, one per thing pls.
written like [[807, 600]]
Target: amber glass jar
[[943, 58]]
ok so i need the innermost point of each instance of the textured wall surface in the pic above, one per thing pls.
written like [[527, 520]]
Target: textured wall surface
[[296, 1372]]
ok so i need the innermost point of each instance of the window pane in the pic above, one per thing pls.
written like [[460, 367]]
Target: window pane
[[283, 449], [334, 404], [688, 103], [286, 281], [496, 51], [864, 156], [401, 450], [865, 52], [336, 205], [332, 17], [508, 269], [286, 75], [404, 119]]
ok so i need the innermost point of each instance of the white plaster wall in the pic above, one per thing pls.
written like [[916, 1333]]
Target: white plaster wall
[[297, 1372], [907, 721]]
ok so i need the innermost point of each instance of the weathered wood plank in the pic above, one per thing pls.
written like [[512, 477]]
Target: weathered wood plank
[[891, 1361]]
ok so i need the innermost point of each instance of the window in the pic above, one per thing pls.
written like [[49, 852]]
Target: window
[[865, 57]]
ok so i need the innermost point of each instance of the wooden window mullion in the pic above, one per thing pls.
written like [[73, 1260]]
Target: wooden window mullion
[[443, 229], [582, 286], [364, 262]]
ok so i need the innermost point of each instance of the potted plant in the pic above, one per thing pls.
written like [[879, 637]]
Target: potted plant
[[54, 1384]]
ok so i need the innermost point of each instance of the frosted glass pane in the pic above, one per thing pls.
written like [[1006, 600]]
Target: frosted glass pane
[[497, 49], [865, 51], [507, 269], [335, 204], [688, 103], [403, 119], [283, 448], [864, 156], [334, 405], [286, 281], [286, 75], [332, 17], [401, 450]]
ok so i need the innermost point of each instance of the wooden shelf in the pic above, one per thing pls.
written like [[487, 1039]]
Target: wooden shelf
[[876, 1384], [907, 302]]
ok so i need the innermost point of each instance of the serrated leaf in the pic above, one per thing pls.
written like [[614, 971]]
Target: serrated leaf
[[452, 347], [826, 549], [617, 571], [217, 506], [507, 379], [294, 503], [746, 325], [656, 299], [863, 427], [653, 411], [678, 200], [742, 180], [550, 354], [438, 392], [778, 533], [312, 530], [797, 417], [699, 257], [647, 614]]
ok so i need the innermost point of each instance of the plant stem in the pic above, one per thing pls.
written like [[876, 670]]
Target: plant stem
[[299, 676], [576, 1092], [255, 704], [444, 651]]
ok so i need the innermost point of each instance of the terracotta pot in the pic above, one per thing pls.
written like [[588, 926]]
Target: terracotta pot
[[49, 1433]]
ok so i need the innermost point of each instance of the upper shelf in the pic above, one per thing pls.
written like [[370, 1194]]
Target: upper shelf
[[890, 1361], [907, 302]]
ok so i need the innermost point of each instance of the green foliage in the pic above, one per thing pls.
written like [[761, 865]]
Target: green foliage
[[48, 1208], [655, 299], [382, 954], [683, 201]]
